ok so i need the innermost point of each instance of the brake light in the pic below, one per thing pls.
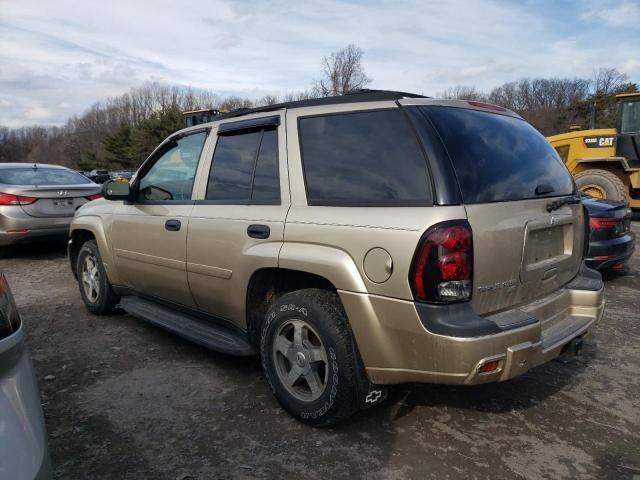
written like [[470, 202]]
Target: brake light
[[600, 222], [441, 271], [488, 106], [9, 199], [95, 196]]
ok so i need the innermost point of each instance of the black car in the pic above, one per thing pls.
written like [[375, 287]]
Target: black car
[[611, 241], [98, 176]]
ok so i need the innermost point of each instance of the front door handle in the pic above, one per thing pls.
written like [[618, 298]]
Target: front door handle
[[258, 231], [172, 225]]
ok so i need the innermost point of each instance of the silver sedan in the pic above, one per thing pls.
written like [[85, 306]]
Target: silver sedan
[[38, 201]]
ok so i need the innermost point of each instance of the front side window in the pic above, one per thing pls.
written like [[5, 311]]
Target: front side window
[[171, 176], [245, 168], [363, 159]]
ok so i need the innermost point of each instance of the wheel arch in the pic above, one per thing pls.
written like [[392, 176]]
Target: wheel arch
[[90, 228], [268, 284]]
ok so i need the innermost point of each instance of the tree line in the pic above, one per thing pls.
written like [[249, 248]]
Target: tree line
[[556, 105], [120, 132]]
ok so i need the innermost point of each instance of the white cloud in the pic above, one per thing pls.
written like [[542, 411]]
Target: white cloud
[[64, 55], [614, 13]]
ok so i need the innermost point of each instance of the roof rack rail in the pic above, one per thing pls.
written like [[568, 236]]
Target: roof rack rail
[[355, 96]]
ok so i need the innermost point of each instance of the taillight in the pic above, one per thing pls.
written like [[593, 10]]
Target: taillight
[[95, 196], [9, 199], [441, 271], [601, 222]]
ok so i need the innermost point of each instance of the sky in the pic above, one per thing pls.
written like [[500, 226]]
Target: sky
[[58, 57]]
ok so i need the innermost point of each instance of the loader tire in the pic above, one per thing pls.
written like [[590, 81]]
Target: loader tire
[[602, 184]]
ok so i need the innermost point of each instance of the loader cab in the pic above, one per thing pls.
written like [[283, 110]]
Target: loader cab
[[628, 128], [196, 117]]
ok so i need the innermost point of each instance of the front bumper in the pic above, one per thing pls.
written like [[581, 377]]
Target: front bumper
[[397, 347], [23, 438]]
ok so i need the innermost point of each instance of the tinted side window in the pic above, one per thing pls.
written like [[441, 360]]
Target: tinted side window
[[498, 158], [245, 168], [171, 176], [266, 181], [233, 161], [363, 158]]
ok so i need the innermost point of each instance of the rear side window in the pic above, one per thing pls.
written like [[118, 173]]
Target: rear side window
[[499, 158], [245, 168], [363, 159]]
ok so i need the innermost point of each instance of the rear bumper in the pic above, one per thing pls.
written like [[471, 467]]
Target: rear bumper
[[606, 253], [37, 228], [23, 438], [397, 347]]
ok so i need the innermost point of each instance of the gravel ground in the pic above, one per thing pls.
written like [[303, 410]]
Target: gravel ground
[[130, 401]]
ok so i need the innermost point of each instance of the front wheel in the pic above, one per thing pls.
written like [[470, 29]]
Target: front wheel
[[95, 289], [310, 359]]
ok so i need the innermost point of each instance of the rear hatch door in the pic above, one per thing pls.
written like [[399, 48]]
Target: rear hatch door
[[507, 174]]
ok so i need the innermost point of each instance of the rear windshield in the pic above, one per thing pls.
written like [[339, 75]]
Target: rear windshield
[[41, 176], [499, 158]]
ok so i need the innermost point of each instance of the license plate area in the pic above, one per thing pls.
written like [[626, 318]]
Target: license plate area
[[63, 202], [547, 249], [546, 244]]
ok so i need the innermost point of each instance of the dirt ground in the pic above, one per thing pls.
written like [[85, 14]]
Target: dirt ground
[[129, 401]]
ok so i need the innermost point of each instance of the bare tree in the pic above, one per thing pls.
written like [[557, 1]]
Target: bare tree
[[462, 92], [342, 72], [608, 80]]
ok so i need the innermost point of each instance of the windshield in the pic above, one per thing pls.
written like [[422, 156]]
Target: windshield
[[630, 118], [41, 176], [499, 158]]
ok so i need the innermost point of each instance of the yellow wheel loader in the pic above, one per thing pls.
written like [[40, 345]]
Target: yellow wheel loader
[[606, 162]]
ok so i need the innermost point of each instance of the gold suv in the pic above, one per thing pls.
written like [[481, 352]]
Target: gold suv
[[352, 242]]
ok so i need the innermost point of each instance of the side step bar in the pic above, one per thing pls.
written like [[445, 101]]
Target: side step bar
[[199, 331]]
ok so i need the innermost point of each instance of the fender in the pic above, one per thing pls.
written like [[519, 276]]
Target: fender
[[623, 162], [95, 225], [334, 264]]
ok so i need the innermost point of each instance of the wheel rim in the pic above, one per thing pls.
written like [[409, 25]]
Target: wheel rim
[[593, 190], [300, 359], [91, 278]]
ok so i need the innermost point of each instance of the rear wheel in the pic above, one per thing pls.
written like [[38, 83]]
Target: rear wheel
[[602, 184], [310, 359], [95, 289]]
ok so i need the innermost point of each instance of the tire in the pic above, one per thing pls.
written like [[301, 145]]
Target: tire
[[341, 380], [95, 289], [603, 184]]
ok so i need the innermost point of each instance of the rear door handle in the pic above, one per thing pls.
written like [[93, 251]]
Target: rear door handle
[[172, 225], [258, 231]]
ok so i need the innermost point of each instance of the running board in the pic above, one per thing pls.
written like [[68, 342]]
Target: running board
[[199, 331]]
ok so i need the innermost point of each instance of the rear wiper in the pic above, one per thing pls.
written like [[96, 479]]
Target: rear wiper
[[556, 204]]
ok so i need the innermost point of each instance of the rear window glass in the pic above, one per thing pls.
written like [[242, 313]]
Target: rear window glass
[[41, 176], [363, 158], [499, 158]]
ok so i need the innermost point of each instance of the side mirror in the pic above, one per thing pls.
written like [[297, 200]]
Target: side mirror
[[116, 190]]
